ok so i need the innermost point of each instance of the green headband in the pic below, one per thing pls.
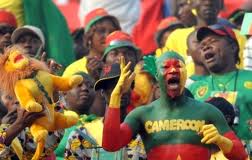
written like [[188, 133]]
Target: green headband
[[169, 55]]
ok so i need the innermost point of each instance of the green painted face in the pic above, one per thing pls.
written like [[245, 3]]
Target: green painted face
[[171, 74]]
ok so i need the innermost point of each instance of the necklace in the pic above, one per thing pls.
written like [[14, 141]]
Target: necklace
[[226, 83]]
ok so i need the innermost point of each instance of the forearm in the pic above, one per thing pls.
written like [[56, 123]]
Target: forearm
[[115, 136], [237, 151], [11, 132]]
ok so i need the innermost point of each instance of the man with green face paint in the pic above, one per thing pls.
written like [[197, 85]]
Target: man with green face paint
[[174, 126]]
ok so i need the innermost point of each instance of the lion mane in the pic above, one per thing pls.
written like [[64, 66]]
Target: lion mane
[[9, 79]]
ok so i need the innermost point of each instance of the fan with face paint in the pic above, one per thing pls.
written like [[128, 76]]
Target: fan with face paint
[[171, 74]]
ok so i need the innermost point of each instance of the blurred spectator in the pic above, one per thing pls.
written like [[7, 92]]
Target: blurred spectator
[[200, 71], [98, 24], [126, 11], [120, 44], [31, 38], [7, 26], [182, 9], [164, 29], [78, 38]]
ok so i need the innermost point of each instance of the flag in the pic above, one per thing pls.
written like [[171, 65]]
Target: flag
[[246, 28]]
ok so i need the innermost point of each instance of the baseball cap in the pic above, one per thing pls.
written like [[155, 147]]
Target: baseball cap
[[95, 15], [118, 39], [215, 29], [27, 29], [108, 73], [170, 23]]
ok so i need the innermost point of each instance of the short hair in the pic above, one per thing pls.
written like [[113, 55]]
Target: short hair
[[224, 106], [235, 45]]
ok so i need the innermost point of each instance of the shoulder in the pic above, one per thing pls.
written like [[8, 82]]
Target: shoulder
[[204, 107]]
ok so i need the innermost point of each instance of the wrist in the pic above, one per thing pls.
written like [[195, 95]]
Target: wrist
[[115, 100], [17, 126], [225, 144]]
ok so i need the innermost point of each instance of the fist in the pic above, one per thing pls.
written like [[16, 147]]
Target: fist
[[210, 134], [32, 106], [75, 80]]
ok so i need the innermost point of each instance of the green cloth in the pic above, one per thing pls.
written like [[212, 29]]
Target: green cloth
[[45, 15], [238, 92], [197, 77], [159, 120], [59, 151]]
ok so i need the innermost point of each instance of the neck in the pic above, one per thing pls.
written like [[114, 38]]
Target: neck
[[200, 70], [226, 70], [201, 22], [169, 103]]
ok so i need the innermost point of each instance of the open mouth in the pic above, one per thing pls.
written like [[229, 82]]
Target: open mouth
[[209, 56], [173, 83], [18, 58]]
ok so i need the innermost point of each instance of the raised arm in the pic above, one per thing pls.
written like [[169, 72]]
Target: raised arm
[[115, 136]]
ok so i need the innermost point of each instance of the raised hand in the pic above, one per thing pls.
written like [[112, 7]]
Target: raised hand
[[123, 84]]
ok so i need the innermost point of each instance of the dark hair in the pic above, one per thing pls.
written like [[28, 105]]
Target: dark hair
[[235, 48], [90, 33], [225, 107]]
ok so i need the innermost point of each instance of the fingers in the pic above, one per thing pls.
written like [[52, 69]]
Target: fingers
[[43, 57], [131, 77], [210, 134], [53, 65], [122, 62], [209, 137], [126, 68]]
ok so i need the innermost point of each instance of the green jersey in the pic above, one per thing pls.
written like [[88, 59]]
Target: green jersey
[[236, 87]]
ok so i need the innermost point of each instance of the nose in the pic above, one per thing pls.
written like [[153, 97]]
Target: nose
[[7, 35], [206, 47], [27, 44]]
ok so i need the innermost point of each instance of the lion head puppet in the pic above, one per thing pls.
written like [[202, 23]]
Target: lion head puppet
[[15, 65]]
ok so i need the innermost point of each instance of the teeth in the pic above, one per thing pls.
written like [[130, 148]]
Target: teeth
[[173, 86]]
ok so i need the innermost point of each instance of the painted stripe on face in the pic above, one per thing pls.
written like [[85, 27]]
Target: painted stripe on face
[[174, 71]]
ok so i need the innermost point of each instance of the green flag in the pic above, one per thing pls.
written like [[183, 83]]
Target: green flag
[[246, 28], [45, 15]]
